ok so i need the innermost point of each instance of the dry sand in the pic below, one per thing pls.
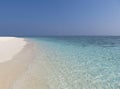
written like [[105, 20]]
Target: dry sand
[[16, 63], [10, 46]]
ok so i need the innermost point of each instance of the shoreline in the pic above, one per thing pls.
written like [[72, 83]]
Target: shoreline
[[12, 69]]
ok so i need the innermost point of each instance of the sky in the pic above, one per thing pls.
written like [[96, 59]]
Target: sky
[[59, 17]]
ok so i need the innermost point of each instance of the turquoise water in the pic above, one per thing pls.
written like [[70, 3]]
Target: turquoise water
[[73, 63]]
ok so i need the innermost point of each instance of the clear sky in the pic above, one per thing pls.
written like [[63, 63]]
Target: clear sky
[[59, 17]]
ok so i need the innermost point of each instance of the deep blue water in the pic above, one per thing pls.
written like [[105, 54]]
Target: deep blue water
[[75, 63]]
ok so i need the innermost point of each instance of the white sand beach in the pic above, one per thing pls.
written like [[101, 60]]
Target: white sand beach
[[15, 56], [9, 46]]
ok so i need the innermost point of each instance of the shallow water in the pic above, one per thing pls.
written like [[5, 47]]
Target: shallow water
[[73, 63]]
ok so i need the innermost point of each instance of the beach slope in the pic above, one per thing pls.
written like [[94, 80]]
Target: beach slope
[[15, 55], [9, 46]]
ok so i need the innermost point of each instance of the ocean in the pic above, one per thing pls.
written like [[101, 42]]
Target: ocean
[[85, 62]]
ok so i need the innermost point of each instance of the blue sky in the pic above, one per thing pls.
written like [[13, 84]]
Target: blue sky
[[59, 17]]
